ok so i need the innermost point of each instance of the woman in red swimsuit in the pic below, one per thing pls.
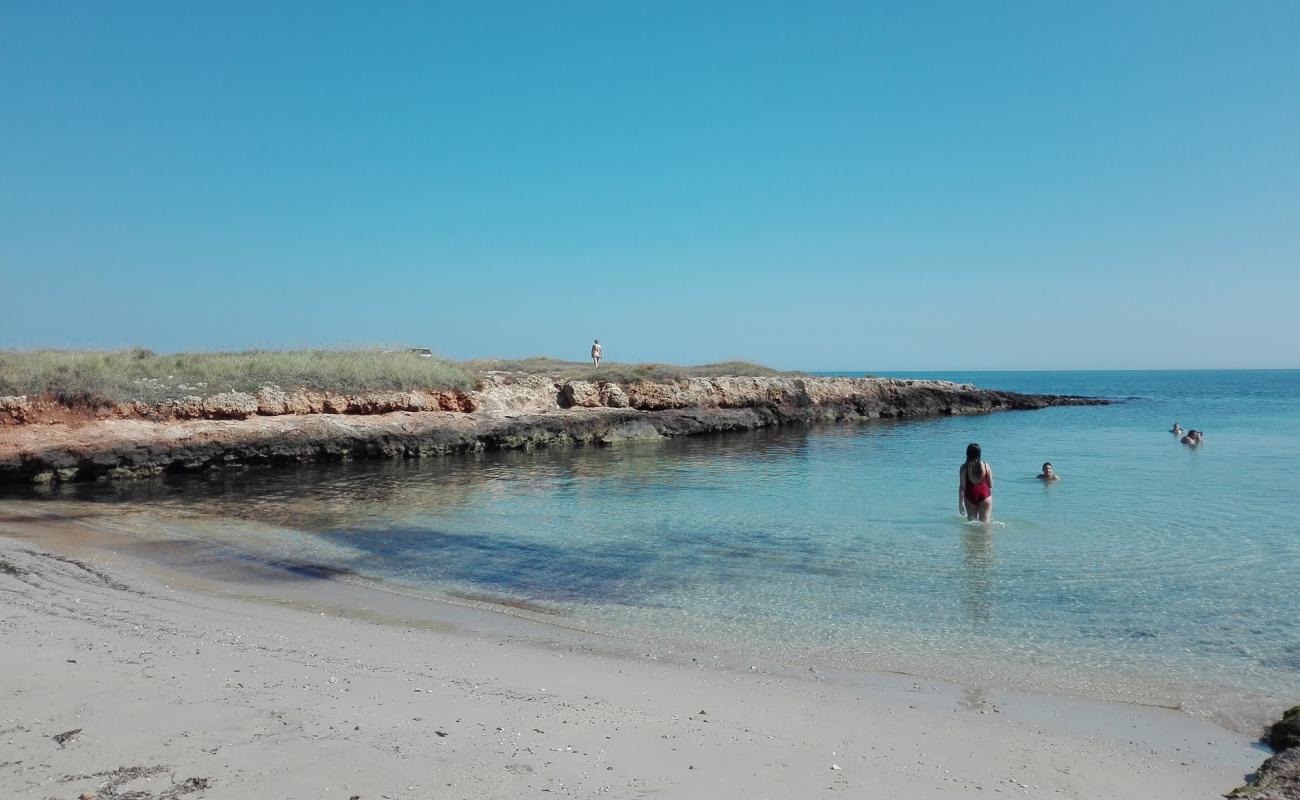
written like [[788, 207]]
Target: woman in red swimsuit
[[975, 487]]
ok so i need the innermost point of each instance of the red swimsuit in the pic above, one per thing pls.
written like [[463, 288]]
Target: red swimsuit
[[977, 493]]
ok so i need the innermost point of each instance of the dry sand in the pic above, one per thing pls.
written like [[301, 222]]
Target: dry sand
[[177, 687]]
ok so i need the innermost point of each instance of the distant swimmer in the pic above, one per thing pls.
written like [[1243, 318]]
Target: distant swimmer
[[1177, 429], [1193, 437], [1048, 473], [595, 353], [975, 487]]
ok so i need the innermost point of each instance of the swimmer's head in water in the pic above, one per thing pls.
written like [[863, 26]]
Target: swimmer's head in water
[[972, 452], [1047, 466]]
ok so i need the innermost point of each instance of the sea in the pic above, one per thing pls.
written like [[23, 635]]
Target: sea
[[1152, 572]]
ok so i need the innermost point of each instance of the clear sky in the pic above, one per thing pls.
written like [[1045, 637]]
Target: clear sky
[[914, 185]]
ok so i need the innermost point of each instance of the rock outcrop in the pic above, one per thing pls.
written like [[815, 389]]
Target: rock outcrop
[[1278, 777], [1285, 733], [269, 401], [15, 410], [275, 426]]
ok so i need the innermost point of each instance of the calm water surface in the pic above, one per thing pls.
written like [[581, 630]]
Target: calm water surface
[[1152, 572]]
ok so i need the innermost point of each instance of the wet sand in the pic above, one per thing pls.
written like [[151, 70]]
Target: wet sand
[[292, 685]]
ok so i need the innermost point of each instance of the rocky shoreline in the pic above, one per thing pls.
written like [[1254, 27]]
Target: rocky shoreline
[[1278, 778], [43, 441]]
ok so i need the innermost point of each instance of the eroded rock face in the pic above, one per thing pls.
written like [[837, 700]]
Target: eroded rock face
[[580, 394], [15, 410], [457, 401], [272, 401], [183, 408], [133, 410], [505, 411], [613, 396], [230, 405], [507, 392], [831, 397], [302, 401]]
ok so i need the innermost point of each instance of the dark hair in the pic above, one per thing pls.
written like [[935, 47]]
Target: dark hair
[[972, 453], [1046, 464]]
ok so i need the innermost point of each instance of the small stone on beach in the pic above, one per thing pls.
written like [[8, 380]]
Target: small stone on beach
[[65, 737]]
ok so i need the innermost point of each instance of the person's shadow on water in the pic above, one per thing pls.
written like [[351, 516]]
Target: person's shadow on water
[[977, 575]]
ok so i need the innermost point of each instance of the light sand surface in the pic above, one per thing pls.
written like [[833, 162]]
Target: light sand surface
[[189, 688]]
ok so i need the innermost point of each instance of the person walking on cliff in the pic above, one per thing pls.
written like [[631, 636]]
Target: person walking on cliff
[[595, 353]]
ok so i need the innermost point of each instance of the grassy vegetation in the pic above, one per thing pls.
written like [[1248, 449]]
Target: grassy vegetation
[[139, 374], [616, 372]]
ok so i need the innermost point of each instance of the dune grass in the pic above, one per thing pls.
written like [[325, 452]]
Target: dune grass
[[139, 374], [618, 372]]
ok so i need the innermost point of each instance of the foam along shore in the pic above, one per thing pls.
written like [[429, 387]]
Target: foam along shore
[[120, 677], [43, 441]]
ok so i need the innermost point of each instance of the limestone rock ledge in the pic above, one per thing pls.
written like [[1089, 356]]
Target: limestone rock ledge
[[504, 411]]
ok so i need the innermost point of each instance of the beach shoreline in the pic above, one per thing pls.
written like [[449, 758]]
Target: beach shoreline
[[201, 677]]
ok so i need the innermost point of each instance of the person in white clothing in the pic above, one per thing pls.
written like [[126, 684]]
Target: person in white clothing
[[595, 353]]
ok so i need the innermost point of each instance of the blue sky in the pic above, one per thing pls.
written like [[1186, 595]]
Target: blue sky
[[813, 185]]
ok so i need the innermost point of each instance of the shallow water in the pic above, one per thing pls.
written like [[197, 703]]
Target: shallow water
[[1153, 572]]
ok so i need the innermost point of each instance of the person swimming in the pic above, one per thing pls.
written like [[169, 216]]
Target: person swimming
[[1193, 437], [1048, 473], [975, 486], [1177, 429]]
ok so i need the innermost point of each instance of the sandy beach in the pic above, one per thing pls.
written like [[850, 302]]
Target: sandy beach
[[120, 680], [486, 401]]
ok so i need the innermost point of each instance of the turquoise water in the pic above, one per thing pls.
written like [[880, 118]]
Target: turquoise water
[[1152, 572]]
